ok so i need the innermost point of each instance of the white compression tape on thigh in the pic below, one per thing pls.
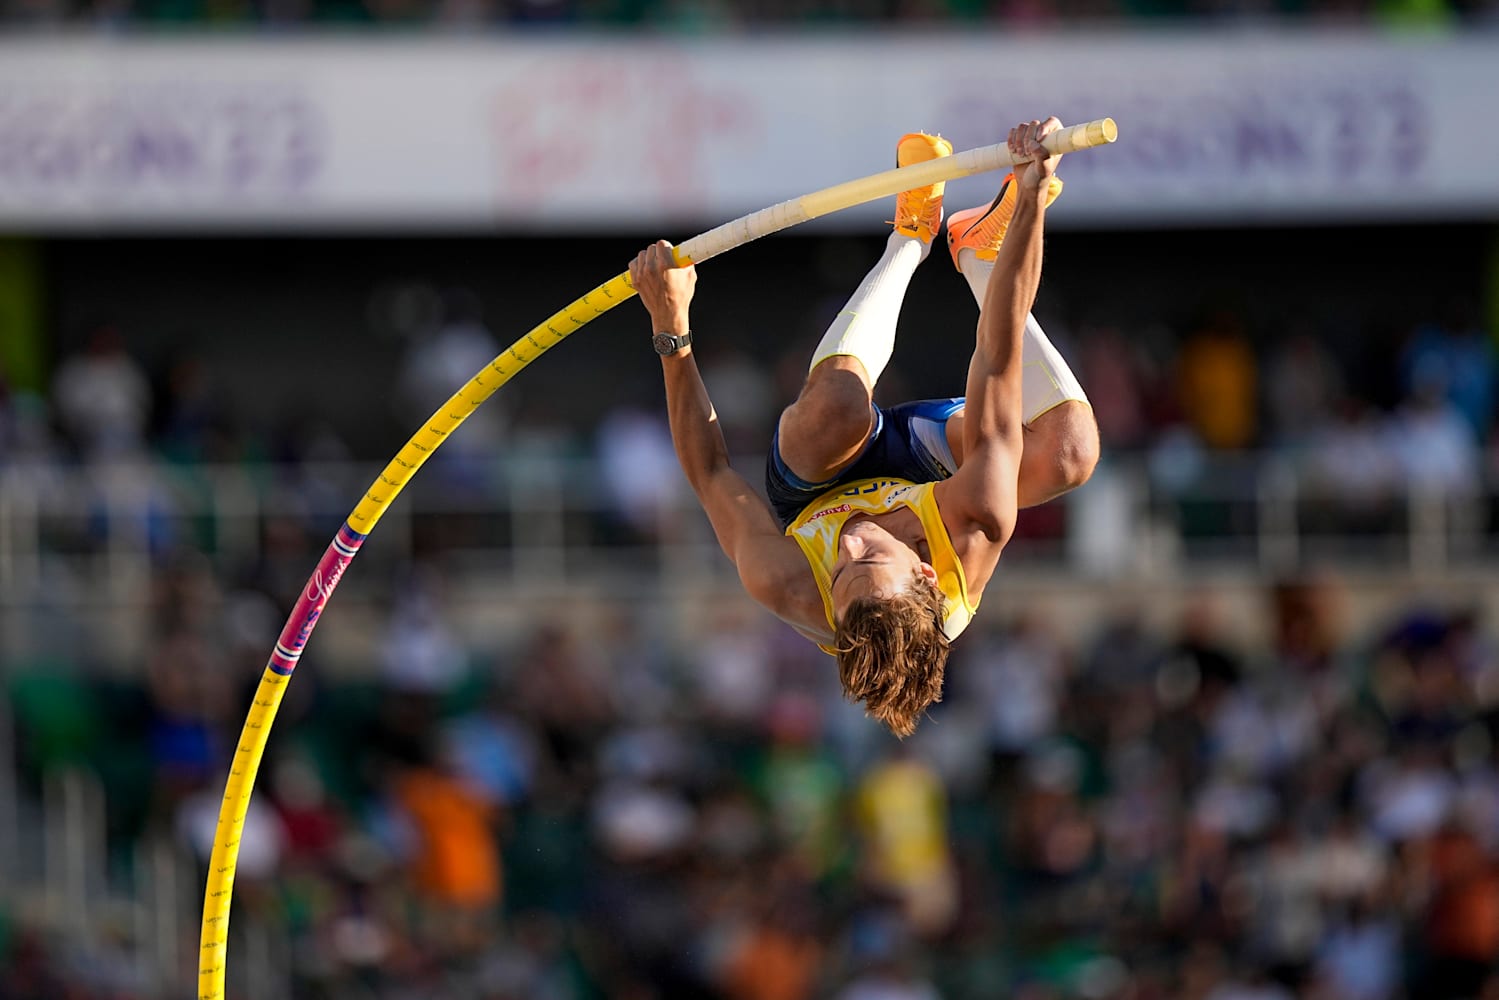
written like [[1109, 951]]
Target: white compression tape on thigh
[[1046, 381], [865, 328]]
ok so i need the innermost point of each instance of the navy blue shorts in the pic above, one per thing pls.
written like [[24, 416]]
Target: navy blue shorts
[[909, 442]]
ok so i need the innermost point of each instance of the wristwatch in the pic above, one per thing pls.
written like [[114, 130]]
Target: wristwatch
[[668, 343]]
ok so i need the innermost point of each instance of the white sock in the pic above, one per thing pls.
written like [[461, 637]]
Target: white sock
[[977, 272], [1046, 381], [865, 328]]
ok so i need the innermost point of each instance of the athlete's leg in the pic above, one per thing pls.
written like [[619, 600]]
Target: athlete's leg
[[1060, 451], [827, 427], [1061, 434]]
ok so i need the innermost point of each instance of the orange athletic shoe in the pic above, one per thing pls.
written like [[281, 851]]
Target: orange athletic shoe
[[918, 212], [982, 229]]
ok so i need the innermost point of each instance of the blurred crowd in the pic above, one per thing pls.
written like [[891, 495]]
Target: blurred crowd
[[1206, 406], [626, 805], [644, 800], [1359, 429], [723, 16]]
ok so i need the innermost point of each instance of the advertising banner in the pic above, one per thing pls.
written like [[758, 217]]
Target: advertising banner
[[561, 134]]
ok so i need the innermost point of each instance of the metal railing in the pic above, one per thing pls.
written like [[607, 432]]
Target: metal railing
[[57, 873], [555, 522]]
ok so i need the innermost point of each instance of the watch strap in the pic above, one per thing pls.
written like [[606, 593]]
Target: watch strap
[[670, 343]]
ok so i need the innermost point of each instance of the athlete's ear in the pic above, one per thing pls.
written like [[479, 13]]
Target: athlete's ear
[[929, 572]]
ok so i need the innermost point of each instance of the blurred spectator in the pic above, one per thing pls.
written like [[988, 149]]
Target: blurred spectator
[[420, 652], [640, 471], [1458, 356], [103, 397], [779, 957], [1054, 837], [733, 677], [1408, 797], [638, 821], [439, 362], [743, 397], [493, 751], [1017, 677], [1436, 448], [1302, 383], [262, 837], [191, 698], [1354, 469], [1109, 366], [311, 824], [193, 414], [453, 860], [1284, 883], [1217, 383], [1352, 864], [802, 786], [1462, 923], [26, 438], [561, 692], [903, 815], [1359, 957], [1305, 626]]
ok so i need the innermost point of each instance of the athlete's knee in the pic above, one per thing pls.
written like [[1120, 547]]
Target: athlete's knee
[[1072, 439], [833, 403]]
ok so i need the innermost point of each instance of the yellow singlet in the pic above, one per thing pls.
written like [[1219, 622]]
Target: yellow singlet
[[817, 527]]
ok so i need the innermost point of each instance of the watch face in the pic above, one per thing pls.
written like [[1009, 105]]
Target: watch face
[[665, 343]]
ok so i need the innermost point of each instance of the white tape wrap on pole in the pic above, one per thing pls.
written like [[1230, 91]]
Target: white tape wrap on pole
[[883, 185]]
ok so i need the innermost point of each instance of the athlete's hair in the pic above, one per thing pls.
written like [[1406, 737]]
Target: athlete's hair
[[892, 653]]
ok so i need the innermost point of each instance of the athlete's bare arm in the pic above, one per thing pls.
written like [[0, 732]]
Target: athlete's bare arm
[[979, 502], [770, 565]]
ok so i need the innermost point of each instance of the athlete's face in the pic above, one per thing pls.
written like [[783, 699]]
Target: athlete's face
[[873, 563]]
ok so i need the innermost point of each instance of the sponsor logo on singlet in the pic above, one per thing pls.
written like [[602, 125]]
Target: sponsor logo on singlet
[[873, 487], [841, 509]]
